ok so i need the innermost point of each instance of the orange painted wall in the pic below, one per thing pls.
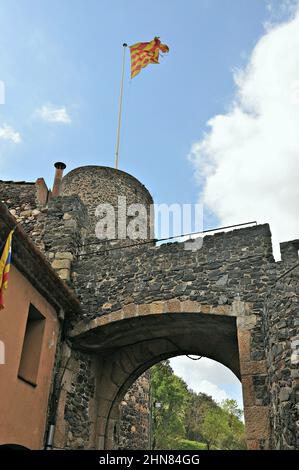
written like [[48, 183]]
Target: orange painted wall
[[23, 408]]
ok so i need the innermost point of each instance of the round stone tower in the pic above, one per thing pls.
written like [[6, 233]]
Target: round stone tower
[[100, 185]]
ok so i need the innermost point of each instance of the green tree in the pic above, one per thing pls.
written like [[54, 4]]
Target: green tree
[[215, 428], [232, 408], [183, 419], [199, 404], [170, 398], [235, 439]]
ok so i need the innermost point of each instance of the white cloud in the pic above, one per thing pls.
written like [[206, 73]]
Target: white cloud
[[8, 133], [207, 376], [211, 389], [248, 161], [51, 113]]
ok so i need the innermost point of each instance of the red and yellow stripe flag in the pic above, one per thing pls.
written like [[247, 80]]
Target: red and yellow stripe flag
[[144, 53], [5, 261]]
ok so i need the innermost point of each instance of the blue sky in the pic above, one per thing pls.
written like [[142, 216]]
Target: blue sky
[[61, 65], [68, 54]]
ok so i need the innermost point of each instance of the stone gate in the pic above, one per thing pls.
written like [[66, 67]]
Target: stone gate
[[141, 303]]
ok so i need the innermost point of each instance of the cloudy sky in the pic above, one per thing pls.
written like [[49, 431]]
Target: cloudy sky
[[216, 121], [247, 159], [208, 376]]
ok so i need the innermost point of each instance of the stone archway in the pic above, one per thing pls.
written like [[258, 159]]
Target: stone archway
[[126, 343]]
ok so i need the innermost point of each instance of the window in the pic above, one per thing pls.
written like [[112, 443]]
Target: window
[[32, 346]]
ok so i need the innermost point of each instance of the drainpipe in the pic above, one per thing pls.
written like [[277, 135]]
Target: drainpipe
[[60, 166], [56, 388], [50, 438]]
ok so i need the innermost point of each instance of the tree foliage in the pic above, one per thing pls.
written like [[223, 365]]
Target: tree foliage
[[183, 419], [169, 403], [214, 427], [199, 404]]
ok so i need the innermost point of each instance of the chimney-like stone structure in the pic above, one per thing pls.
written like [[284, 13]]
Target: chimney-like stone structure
[[290, 251], [42, 192], [60, 166]]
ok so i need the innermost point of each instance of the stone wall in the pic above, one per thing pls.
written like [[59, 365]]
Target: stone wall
[[281, 331], [135, 416], [231, 268], [237, 263], [21, 199], [62, 229], [18, 194], [77, 413]]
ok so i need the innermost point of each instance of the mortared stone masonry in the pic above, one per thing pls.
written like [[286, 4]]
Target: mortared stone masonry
[[140, 304]]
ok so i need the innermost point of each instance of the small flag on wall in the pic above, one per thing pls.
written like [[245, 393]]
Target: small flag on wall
[[144, 53], [5, 267]]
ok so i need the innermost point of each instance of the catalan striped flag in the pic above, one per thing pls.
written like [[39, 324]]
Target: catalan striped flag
[[144, 53], [5, 261]]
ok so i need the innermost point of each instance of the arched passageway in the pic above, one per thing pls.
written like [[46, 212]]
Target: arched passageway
[[163, 337], [123, 345]]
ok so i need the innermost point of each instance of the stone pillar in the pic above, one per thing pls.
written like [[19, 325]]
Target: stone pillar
[[63, 232], [289, 251], [76, 411], [41, 192], [254, 384], [134, 425], [282, 352]]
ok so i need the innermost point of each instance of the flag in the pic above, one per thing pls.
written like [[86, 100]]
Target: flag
[[5, 267], [144, 53]]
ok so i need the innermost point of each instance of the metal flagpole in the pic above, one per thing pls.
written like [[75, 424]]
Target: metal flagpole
[[120, 105]]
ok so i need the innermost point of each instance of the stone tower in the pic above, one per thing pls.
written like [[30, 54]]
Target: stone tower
[[98, 186]]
